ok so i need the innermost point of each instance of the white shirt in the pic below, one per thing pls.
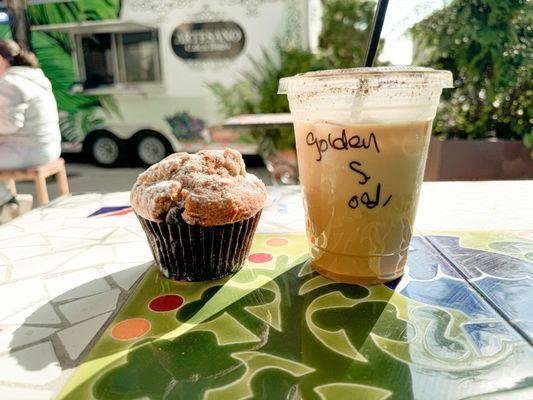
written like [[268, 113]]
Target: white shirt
[[28, 109]]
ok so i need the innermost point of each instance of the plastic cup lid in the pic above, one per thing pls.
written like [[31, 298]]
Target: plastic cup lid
[[380, 78]]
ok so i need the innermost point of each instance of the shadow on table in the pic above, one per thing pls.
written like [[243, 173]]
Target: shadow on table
[[288, 324], [59, 333]]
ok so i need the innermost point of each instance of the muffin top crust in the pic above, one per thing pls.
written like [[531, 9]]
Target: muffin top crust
[[211, 186]]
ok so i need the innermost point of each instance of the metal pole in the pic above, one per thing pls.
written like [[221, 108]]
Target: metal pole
[[17, 10]]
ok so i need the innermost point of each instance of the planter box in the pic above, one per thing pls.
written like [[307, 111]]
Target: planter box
[[459, 159]]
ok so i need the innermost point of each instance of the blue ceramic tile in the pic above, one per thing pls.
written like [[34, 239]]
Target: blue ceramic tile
[[449, 293], [474, 263], [449, 289], [526, 327], [424, 262], [488, 337], [504, 280], [514, 298]]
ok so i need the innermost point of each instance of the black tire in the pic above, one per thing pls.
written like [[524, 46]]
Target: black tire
[[151, 147], [105, 149]]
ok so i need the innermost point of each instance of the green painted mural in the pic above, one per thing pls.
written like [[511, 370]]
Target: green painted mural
[[77, 113]]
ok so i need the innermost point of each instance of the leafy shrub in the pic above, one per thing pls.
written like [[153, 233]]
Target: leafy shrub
[[257, 91], [345, 30], [488, 46], [346, 25]]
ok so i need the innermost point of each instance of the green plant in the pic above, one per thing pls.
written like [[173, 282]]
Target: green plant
[[257, 91], [488, 46], [75, 125], [343, 40], [345, 32], [185, 126]]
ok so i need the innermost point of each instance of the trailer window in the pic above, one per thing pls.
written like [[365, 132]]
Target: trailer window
[[138, 61], [106, 59], [98, 60]]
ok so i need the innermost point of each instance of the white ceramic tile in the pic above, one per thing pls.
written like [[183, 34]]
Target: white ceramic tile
[[133, 252], [136, 230], [29, 217], [125, 275], [88, 199], [62, 244], [55, 214], [100, 233], [17, 336], [41, 226], [35, 239], [91, 257], [116, 198], [284, 212], [9, 231], [35, 365], [481, 206], [124, 221], [69, 232], [112, 267], [77, 337], [122, 235], [76, 284], [79, 310], [39, 265], [41, 313], [18, 295], [93, 223], [3, 272], [26, 251], [13, 393]]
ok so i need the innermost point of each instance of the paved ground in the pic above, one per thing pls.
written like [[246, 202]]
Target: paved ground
[[84, 177]]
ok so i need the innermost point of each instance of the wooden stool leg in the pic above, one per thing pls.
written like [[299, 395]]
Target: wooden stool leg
[[12, 186], [61, 178], [42, 191]]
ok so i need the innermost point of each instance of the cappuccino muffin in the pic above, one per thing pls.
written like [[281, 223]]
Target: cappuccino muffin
[[199, 212]]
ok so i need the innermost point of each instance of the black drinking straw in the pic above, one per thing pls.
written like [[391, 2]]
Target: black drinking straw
[[375, 33]]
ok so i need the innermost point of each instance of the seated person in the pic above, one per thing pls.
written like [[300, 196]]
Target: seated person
[[29, 128]]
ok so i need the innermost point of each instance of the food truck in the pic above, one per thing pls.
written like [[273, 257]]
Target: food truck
[[155, 61]]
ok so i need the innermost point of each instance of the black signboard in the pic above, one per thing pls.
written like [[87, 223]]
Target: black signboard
[[208, 40]]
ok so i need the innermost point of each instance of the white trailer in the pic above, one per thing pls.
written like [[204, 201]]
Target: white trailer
[[159, 56]]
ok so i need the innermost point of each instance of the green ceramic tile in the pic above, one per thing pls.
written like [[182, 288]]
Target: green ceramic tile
[[277, 330], [499, 264]]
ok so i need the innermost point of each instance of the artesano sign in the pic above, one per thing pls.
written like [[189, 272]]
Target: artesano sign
[[208, 40]]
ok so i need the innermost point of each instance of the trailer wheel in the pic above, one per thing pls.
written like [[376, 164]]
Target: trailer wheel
[[151, 147], [105, 149]]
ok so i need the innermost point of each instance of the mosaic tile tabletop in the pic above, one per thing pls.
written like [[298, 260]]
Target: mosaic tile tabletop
[[85, 315]]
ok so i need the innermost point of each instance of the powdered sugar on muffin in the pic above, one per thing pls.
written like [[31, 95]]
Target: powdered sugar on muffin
[[212, 187]]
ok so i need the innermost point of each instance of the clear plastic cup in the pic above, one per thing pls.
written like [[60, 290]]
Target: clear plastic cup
[[362, 137]]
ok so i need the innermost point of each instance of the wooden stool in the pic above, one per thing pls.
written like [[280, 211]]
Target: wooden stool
[[38, 175]]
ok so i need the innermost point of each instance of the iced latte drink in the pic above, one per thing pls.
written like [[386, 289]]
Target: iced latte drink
[[362, 137]]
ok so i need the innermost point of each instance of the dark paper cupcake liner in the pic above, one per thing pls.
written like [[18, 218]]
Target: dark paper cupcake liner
[[186, 252]]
